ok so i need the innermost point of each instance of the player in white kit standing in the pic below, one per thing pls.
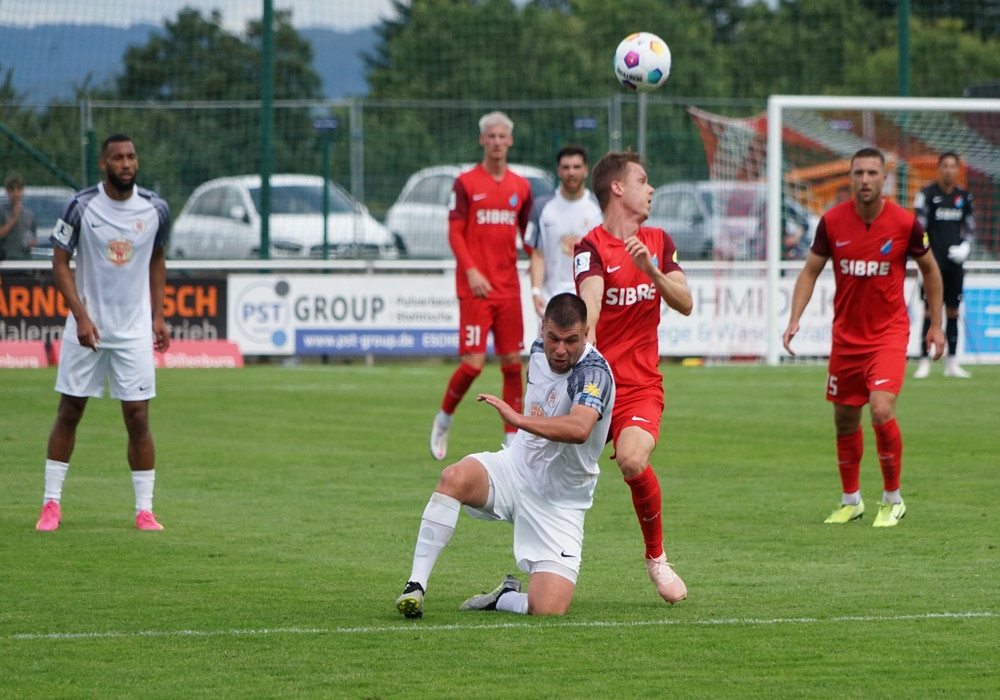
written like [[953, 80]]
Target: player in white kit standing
[[115, 298]]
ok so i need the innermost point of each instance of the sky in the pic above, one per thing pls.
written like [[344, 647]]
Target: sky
[[344, 15]]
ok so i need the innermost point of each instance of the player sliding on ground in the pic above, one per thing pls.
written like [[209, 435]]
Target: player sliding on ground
[[543, 483]]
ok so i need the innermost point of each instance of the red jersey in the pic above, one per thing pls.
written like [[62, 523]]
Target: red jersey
[[630, 310], [483, 224], [869, 266]]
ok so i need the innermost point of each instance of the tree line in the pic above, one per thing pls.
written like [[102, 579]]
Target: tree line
[[475, 54]]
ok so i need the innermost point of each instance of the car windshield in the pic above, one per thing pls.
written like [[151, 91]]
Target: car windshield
[[303, 199]]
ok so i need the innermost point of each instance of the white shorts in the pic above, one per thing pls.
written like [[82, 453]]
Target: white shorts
[[129, 372], [547, 538]]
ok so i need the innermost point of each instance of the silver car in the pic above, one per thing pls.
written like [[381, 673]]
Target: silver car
[[419, 217], [221, 221], [724, 220]]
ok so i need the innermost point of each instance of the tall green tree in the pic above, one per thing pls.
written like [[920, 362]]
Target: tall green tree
[[196, 58], [944, 59]]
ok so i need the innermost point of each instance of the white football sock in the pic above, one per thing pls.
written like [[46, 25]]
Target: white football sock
[[443, 419], [142, 481], [513, 602], [55, 475], [851, 499], [436, 528], [891, 497]]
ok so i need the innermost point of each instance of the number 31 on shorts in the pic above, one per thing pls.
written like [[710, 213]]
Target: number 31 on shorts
[[473, 334]]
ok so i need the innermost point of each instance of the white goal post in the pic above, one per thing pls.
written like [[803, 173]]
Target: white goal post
[[840, 137]]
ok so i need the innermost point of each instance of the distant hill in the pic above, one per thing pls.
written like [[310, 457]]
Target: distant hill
[[48, 61]]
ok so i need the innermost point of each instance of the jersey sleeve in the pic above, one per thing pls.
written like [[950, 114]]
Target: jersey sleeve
[[669, 262], [524, 215], [591, 384], [920, 207], [821, 242], [163, 214], [968, 221], [586, 260], [532, 233], [920, 242], [457, 224], [66, 232]]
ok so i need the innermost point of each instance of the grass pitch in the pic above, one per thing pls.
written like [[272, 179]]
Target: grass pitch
[[291, 499]]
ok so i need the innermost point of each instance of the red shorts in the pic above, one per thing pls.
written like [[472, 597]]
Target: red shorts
[[477, 317], [852, 378], [639, 406]]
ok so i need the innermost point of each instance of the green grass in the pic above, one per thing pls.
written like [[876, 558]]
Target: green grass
[[291, 499]]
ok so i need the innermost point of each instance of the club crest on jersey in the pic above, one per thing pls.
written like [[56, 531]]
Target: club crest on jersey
[[513, 200], [553, 397], [535, 409], [886, 247], [656, 260], [958, 202], [138, 227], [120, 251]]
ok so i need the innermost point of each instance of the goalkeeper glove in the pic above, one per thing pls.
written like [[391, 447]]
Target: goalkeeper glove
[[958, 254]]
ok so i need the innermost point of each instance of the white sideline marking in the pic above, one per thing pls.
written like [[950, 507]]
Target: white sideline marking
[[410, 626]]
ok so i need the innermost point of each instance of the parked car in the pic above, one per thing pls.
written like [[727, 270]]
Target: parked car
[[47, 203], [725, 220], [419, 217], [221, 221]]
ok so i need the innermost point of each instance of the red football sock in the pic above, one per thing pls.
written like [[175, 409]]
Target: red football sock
[[647, 501], [513, 390], [889, 443], [459, 384], [849, 451]]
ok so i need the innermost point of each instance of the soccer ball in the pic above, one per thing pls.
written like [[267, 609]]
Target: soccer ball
[[642, 62]]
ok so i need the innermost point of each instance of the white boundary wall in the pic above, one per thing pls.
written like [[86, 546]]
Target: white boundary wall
[[390, 312], [776, 105]]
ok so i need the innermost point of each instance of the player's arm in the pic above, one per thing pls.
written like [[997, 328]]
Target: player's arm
[[673, 287], [573, 428], [157, 293], [672, 283], [536, 273], [804, 286], [959, 253], [934, 293], [86, 331], [920, 208], [457, 232], [592, 292]]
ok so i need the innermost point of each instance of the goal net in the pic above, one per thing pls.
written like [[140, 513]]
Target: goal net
[[801, 148]]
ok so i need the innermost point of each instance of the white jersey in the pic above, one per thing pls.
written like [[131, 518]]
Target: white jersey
[[114, 244], [564, 474], [557, 225]]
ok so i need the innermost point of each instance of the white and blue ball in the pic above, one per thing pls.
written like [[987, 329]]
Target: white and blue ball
[[642, 62]]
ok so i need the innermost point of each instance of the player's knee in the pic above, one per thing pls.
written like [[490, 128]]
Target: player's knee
[[473, 364], [631, 462], [882, 414]]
